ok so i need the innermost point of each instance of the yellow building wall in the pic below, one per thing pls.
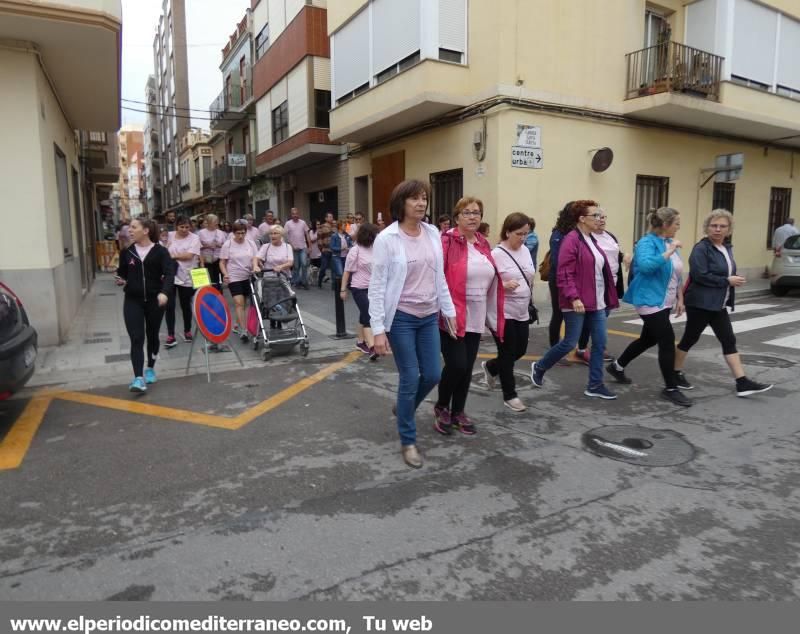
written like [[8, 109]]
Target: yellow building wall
[[21, 168], [567, 175], [54, 130]]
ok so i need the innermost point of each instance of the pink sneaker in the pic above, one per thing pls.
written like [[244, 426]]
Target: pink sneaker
[[441, 421]]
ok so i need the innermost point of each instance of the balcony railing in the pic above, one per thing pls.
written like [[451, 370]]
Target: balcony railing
[[206, 186], [226, 177], [235, 96], [673, 67]]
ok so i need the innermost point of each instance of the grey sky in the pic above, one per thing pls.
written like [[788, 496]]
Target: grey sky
[[209, 23]]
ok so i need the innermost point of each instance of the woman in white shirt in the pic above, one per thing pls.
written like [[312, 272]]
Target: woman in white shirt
[[184, 247], [407, 292], [514, 261]]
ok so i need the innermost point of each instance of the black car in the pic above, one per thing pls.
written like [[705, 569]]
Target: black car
[[18, 344]]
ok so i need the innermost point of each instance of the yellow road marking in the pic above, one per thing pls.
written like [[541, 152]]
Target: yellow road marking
[[622, 333], [18, 440]]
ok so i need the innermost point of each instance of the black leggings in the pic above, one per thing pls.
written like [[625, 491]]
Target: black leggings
[[213, 273], [142, 319], [509, 351], [459, 359], [696, 321], [657, 329], [185, 294], [557, 317]]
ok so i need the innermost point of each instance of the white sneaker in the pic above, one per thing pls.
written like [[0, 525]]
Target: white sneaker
[[515, 405], [491, 381]]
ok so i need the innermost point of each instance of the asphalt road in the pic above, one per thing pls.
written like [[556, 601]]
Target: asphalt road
[[310, 500]]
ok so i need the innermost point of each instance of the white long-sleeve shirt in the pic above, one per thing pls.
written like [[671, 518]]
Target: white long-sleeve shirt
[[389, 270], [782, 234]]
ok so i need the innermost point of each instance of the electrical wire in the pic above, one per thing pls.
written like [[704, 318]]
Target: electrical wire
[[183, 116], [155, 105]]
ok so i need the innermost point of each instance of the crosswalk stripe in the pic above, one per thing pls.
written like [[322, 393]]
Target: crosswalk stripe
[[746, 325], [792, 341], [744, 308]]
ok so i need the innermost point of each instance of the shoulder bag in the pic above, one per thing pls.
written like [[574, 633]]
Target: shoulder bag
[[533, 312]]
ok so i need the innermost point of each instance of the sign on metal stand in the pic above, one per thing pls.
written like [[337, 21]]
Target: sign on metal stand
[[213, 320]]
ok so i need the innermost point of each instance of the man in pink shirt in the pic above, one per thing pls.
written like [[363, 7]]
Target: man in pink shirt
[[297, 236], [265, 226], [252, 232]]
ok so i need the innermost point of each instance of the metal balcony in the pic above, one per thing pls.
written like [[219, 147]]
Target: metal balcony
[[228, 109], [225, 178], [673, 67]]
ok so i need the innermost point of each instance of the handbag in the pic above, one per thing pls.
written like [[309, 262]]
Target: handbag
[[533, 312], [252, 321], [544, 268]]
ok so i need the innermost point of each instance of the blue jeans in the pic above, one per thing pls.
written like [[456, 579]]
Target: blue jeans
[[596, 320], [324, 266], [300, 268], [415, 346]]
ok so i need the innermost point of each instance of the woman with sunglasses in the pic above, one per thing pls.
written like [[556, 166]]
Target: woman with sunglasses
[[478, 296], [585, 289]]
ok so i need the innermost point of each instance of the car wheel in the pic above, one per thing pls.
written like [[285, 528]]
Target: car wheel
[[779, 291]]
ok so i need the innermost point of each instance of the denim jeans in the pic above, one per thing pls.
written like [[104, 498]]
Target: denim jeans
[[300, 268], [574, 325], [324, 267], [415, 346]]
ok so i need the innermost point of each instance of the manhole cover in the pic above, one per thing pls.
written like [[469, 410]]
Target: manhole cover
[[639, 445], [523, 380], [766, 362]]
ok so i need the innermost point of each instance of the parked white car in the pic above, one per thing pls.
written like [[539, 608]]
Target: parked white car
[[784, 274]]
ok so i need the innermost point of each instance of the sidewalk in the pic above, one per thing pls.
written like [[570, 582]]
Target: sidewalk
[[97, 349]]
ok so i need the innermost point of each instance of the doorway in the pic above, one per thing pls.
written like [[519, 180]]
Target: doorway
[[322, 202]]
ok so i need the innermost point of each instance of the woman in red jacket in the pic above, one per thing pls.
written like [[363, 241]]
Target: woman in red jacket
[[586, 289], [473, 281]]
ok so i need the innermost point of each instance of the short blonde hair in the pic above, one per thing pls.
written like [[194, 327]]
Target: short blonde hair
[[278, 228], [212, 218], [718, 213]]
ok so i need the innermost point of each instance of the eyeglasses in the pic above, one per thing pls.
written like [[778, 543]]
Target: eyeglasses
[[718, 226], [471, 214], [596, 216]]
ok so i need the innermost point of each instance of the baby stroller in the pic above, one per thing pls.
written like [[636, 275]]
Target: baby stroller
[[276, 303]]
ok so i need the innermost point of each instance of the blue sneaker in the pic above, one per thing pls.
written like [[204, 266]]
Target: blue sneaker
[[537, 375], [150, 376], [137, 385], [600, 391]]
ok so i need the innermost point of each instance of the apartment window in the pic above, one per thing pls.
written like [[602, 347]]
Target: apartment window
[[450, 56], [446, 189], [206, 167], [387, 74], [62, 185], [780, 201], [322, 106], [262, 41], [785, 91], [749, 83], [724, 195], [280, 123], [197, 179], [97, 137], [652, 192], [345, 98]]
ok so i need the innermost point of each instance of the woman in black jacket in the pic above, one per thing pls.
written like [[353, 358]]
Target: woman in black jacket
[[711, 289], [147, 272]]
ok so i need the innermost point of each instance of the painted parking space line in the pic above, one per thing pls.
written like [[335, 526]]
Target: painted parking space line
[[18, 440]]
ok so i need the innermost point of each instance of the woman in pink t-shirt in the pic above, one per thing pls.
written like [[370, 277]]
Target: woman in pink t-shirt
[[184, 247], [212, 239], [276, 256], [357, 273], [236, 264], [516, 269], [478, 296]]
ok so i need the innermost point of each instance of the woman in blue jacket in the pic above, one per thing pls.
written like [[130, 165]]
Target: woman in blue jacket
[[711, 289], [655, 291]]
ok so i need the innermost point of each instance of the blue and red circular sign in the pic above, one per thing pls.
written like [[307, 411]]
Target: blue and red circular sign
[[212, 314]]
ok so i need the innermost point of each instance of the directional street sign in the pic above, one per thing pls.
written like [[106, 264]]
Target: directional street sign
[[532, 158], [212, 315]]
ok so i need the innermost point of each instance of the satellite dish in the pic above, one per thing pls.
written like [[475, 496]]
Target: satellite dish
[[602, 159]]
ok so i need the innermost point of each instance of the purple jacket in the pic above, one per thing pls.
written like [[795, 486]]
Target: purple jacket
[[576, 273]]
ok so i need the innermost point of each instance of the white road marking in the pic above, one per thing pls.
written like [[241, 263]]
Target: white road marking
[[792, 341], [746, 325], [744, 308]]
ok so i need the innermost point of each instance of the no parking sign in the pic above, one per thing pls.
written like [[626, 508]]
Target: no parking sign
[[211, 314]]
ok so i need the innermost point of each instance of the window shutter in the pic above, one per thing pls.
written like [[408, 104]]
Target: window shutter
[[322, 73], [452, 25], [754, 34], [278, 94], [298, 98], [789, 54], [395, 31], [351, 54]]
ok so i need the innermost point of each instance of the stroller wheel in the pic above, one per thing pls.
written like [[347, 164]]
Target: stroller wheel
[[255, 343], [266, 354], [304, 349]]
